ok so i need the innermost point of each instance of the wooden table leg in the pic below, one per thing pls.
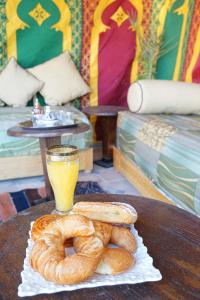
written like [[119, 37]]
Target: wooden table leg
[[108, 127], [44, 144]]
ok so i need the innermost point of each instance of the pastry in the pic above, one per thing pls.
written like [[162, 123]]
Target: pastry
[[123, 237], [115, 261], [48, 253], [109, 212], [102, 231], [52, 233], [40, 224]]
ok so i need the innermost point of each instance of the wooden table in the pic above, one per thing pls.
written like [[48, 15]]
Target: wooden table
[[47, 138], [170, 234], [107, 116]]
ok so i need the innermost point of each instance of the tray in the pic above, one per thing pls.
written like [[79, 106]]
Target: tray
[[29, 125]]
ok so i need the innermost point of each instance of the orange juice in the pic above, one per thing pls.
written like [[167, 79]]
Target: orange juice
[[62, 168], [63, 176]]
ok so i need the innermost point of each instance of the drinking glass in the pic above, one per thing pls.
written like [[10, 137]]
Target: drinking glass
[[62, 168]]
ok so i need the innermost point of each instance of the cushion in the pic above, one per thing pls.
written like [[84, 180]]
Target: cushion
[[17, 86], [164, 96], [63, 82], [2, 103]]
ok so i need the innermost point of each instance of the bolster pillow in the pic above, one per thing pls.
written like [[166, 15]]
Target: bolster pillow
[[164, 96]]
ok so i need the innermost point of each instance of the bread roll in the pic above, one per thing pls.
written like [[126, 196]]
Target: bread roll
[[109, 212], [115, 261]]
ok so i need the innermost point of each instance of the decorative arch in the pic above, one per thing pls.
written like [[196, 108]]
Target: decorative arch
[[63, 24], [134, 69], [173, 19], [98, 28], [15, 23], [183, 10], [164, 8]]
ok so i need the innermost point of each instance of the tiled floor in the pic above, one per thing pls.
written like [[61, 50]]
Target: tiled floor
[[109, 180]]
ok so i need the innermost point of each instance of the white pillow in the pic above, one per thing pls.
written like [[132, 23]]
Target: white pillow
[[63, 82], [2, 103], [17, 86], [164, 96]]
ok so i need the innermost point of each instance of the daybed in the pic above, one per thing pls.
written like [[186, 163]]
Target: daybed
[[160, 155], [20, 157]]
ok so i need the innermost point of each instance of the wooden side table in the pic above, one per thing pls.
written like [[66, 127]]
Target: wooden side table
[[108, 119], [47, 138]]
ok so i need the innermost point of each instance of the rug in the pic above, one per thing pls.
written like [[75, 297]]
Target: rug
[[12, 203]]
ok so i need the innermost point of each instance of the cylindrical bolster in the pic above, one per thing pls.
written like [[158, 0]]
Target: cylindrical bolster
[[164, 96]]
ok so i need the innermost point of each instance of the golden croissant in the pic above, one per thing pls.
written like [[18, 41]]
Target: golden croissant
[[48, 255]]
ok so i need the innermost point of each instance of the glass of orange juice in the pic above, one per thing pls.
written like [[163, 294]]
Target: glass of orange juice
[[62, 168]]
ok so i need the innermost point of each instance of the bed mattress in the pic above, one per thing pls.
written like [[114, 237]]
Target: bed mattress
[[167, 149]]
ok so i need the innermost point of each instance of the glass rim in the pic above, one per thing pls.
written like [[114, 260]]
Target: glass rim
[[74, 150]]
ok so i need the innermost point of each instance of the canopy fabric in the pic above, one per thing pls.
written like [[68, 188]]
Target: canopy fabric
[[104, 44]]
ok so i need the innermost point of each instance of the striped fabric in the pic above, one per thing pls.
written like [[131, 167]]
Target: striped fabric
[[98, 33], [167, 150]]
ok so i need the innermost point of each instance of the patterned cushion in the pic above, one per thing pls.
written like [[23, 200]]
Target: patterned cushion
[[167, 149]]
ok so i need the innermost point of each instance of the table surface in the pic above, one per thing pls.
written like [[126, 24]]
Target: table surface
[[43, 133], [170, 234], [103, 110]]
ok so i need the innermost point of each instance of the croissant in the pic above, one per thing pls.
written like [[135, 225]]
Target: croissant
[[102, 232], [122, 237], [41, 223], [113, 260], [48, 253]]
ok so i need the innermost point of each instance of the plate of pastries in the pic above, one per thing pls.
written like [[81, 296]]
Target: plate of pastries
[[95, 244]]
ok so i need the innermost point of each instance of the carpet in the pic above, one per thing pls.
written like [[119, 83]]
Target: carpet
[[12, 203]]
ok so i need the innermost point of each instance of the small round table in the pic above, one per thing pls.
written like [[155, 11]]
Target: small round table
[[108, 118], [170, 234], [47, 137]]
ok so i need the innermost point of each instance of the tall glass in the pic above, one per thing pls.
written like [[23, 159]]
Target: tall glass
[[62, 168]]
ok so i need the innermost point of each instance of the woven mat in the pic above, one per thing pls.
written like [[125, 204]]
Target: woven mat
[[12, 203]]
